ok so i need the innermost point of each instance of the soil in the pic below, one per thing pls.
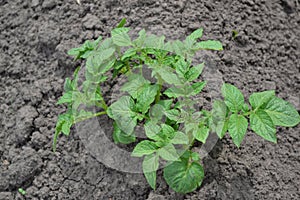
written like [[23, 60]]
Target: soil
[[34, 38]]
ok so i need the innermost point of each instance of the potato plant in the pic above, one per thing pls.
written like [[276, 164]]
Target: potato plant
[[165, 108]]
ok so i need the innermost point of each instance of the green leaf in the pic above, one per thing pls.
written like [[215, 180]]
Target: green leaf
[[166, 103], [140, 40], [120, 37], [168, 75], [120, 137], [234, 34], [191, 126], [187, 90], [259, 98], [195, 156], [71, 85], [169, 48], [197, 87], [173, 114], [222, 129], [66, 98], [262, 124], [63, 124], [75, 75], [66, 126], [180, 138], [168, 60], [97, 42], [178, 47], [22, 191], [106, 44], [219, 114], [104, 67], [135, 85], [181, 67], [183, 177], [237, 127], [78, 99], [197, 34], [128, 54], [175, 92], [145, 147], [118, 67], [245, 108], [282, 112], [87, 54], [121, 23], [234, 99], [210, 45], [122, 111], [146, 97], [68, 85], [168, 130], [95, 61], [154, 42], [150, 166], [85, 50], [201, 134], [168, 152], [152, 130], [75, 52], [105, 54], [194, 72], [156, 112], [160, 43]]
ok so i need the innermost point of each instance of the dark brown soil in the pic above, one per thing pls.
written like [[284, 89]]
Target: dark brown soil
[[34, 38]]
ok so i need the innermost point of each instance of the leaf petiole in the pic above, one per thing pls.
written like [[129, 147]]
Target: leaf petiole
[[91, 116], [104, 105]]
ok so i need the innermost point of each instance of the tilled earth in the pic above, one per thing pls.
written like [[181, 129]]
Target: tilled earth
[[34, 38]]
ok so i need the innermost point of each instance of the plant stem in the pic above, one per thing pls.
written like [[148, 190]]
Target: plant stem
[[160, 83], [104, 105], [91, 116], [99, 113]]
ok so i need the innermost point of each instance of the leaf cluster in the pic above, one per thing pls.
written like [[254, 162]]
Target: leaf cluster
[[164, 107]]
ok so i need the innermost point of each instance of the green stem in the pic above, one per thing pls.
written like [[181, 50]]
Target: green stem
[[99, 113], [160, 83], [104, 105], [91, 116]]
